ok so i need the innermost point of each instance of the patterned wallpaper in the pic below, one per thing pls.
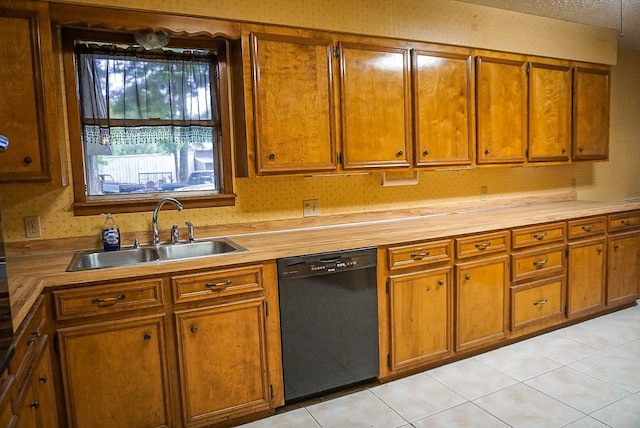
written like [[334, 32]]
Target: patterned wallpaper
[[272, 198]]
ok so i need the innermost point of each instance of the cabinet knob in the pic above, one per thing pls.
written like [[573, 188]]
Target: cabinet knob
[[467, 277], [27, 160], [600, 250], [43, 379], [487, 151], [35, 404], [194, 328], [147, 337], [272, 156], [564, 150], [400, 153], [616, 246], [580, 149], [441, 282], [425, 153]]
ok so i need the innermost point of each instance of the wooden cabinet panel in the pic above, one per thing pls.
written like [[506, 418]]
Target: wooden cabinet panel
[[442, 103], [481, 302], [537, 302], [624, 221], [221, 352], [501, 112], [479, 245], [43, 391], [293, 103], [212, 285], [623, 272], [586, 276], [538, 262], [549, 112], [375, 106], [421, 320], [590, 113], [584, 228], [115, 373], [420, 254], [524, 237]]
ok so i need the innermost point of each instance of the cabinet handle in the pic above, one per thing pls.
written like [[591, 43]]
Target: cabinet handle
[[27, 160], [587, 228], [540, 263], [35, 334], [540, 302], [626, 222], [420, 256], [43, 379], [35, 404], [110, 300], [540, 236], [194, 328], [441, 282], [483, 246], [467, 277], [400, 153], [219, 285], [147, 337]]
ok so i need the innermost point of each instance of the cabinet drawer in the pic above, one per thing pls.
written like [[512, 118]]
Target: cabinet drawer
[[587, 227], [624, 221], [538, 262], [210, 285], [106, 299], [30, 333], [420, 254], [536, 235], [537, 301], [489, 243]]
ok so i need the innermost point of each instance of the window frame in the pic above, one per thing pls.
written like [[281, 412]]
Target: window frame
[[129, 203]]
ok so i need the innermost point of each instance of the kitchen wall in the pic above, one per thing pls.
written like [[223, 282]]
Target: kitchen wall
[[272, 198]]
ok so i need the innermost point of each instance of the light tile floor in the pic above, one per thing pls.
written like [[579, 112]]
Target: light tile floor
[[583, 376]]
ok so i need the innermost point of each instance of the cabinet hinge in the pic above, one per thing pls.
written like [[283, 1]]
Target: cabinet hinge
[[336, 52], [388, 286], [389, 360], [266, 308], [526, 70], [566, 252], [339, 158], [271, 390], [56, 344], [526, 152]]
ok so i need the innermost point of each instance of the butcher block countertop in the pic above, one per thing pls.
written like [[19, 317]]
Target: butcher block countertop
[[29, 274]]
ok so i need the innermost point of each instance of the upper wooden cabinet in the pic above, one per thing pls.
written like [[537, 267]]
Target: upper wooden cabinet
[[442, 107], [501, 113], [293, 103], [28, 112], [549, 112], [590, 113], [375, 90]]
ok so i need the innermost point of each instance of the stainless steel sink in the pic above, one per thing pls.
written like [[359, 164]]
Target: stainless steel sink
[[202, 248], [96, 260], [85, 260]]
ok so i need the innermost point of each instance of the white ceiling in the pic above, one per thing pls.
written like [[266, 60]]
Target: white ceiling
[[599, 13]]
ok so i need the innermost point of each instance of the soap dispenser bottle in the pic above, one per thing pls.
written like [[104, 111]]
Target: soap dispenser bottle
[[110, 234]]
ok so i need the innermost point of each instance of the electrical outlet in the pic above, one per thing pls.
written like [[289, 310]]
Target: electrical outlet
[[483, 193], [310, 208], [32, 226]]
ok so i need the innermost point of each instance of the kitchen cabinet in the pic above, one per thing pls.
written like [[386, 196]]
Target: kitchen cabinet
[[420, 303], [482, 287], [624, 258], [586, 274], [549, 116], [222, 346], [501, 112], [293, 103], [591, 106], [29, 116], [114, 369], [443, 106], [375, 89]]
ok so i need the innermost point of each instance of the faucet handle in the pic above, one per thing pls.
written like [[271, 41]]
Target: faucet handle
[[175, 234], [136, 243], [190, 230]]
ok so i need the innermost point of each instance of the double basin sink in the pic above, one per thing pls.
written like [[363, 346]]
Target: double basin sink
[[85, 260]]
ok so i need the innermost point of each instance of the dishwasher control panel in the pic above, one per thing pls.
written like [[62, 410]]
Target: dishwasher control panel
[[326, 263]]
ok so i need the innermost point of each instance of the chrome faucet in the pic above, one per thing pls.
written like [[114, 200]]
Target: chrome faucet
[[154, 220]]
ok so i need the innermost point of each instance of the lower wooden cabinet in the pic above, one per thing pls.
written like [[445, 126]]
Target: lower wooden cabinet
[[586, 276], [624, 268], [421, 321], [481, 302], [535, 303], [115, 373], [223, 366]]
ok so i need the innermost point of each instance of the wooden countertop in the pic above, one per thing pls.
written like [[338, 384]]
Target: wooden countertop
[[30, 274]]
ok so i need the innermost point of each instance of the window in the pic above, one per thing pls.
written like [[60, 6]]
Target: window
[[147, 123]]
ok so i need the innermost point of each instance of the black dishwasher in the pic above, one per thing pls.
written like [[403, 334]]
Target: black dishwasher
[[329, 321]]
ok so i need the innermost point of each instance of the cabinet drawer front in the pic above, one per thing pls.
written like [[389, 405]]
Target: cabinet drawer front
[[543, 261], [211, 285], [624, 221], [537, 301], [106, 299], [478, 245], [29, 335], [530, 236], [420, 254], [587, 227]]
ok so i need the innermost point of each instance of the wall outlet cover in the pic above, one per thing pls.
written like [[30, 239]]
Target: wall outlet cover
[[310, 208], [32, 226]]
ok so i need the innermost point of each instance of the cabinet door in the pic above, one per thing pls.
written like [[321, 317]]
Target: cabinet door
[[586, 277], [293, 103], [420, 317], [501, 87], [376, 106], [442, 106], [27, 115], [44, 392], [590, 113], [549, 112], [481, 302], [624, 268], [222, 360], [115, 374]]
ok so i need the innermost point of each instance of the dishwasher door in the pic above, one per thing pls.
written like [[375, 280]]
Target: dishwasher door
[[329, 321]]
